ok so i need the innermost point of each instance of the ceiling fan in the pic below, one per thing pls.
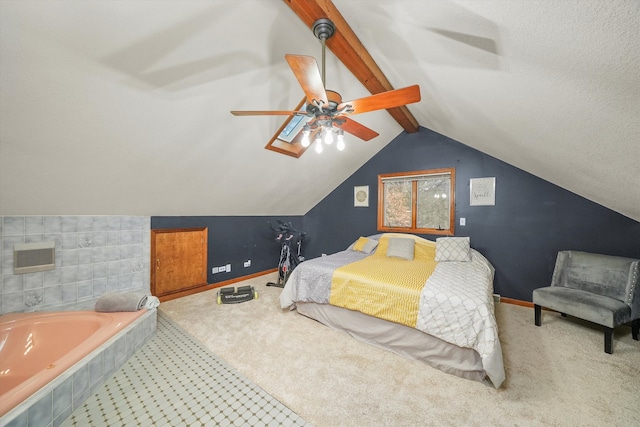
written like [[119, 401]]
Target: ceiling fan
[[325, 112]]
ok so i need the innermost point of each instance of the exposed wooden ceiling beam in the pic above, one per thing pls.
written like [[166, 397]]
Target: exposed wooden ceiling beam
[[348, 48]]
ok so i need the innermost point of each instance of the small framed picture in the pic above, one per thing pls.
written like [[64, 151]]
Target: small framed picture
[[361, 196], [482, 191]]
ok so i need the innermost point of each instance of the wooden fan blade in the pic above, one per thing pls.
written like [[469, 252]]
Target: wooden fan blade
[[305, 68], [384, 100], [267, 113], [357, 129]]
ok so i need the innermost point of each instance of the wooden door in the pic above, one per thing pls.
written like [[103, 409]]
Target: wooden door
[[178, 260]]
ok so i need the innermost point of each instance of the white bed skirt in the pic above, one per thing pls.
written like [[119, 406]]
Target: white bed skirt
[[400, 339]]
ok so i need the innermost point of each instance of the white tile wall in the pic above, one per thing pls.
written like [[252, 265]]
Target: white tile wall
[[94, 255]]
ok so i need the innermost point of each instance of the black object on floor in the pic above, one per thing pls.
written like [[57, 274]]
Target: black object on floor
[[236, 295]]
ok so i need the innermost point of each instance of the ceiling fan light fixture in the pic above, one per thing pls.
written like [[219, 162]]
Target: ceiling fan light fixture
[[340, 144], [305, 142], [328, 136], [306, 131]]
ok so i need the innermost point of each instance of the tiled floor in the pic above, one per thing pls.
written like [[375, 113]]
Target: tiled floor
[[175, 381]]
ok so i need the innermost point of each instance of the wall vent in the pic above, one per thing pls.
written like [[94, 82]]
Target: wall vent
[[33, 257]]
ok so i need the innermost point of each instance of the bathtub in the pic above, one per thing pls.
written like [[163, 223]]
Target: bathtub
[[36, 348]]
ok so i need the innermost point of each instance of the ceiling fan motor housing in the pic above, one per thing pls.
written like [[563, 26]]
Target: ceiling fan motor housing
[[333, 98]]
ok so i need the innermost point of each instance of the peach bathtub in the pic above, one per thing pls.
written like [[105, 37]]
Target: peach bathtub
[[37, 347]]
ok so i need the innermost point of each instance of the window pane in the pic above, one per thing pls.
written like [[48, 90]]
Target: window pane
[[397, 203], [434, 202], [419, 201]]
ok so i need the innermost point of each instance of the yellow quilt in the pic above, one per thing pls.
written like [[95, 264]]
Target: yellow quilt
[[385, 287]]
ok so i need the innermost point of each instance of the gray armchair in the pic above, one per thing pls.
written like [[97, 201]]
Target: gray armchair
[[602, 289]]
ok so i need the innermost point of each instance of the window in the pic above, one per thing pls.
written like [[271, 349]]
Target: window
[[288, 139], [417, 202]]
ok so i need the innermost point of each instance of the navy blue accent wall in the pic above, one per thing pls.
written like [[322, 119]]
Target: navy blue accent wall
[[233, 240], [521, 235]]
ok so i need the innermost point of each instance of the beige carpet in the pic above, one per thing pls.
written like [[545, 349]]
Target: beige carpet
[[557, 374]]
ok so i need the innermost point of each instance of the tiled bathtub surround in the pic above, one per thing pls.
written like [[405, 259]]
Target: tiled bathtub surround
[[57, 400], [94, 255]]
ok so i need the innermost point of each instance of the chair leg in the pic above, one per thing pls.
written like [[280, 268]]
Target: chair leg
[[635, 328], [538, 312], [608, 340]]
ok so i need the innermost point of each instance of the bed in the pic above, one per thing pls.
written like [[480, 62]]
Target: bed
[[429, 301]]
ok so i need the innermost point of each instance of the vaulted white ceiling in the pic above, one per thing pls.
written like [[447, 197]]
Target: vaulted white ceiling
[[122, 107]]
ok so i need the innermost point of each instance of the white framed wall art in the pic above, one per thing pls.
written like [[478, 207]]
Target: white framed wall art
[[361, 196], [482, 191]]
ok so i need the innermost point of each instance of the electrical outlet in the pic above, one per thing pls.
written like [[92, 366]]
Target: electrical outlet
[[247, 263], [228, 268], [463, 221], [214, 270]]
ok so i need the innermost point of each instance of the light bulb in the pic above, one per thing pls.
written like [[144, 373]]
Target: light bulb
[[318, 146], [340, 142], [305, 139], [328, 136]]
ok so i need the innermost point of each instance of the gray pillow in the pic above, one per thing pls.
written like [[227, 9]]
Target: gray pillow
[[401, 248]]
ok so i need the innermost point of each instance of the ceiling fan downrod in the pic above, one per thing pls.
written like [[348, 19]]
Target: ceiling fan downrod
[[323, 29]]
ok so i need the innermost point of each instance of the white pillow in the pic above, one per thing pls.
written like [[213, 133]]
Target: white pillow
[[401, 248], [453, 249]]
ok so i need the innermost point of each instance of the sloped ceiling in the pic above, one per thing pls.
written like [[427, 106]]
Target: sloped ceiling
[[113, 107]]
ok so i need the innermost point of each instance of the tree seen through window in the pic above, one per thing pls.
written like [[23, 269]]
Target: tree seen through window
[[421, 202]]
